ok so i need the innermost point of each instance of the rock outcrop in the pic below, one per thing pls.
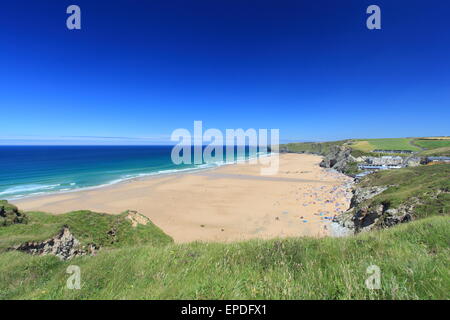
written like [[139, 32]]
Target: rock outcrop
[[362, 194], [338, 158], [9, 214], [365, 216], [381, 216], [64, 245]]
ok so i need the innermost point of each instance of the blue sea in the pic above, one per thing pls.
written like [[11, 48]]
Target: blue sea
[[35, 170]]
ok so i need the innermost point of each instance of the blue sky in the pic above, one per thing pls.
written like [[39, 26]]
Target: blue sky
[[137, 70]]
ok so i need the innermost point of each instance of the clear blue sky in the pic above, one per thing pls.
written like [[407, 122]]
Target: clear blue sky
[[139, 69]]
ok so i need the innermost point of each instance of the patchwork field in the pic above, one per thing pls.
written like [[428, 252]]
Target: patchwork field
[[362, 146], [385, 144], [426, 145]]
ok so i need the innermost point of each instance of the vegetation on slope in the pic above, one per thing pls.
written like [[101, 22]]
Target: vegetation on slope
[[9, 214], [411, 144], [438, 152], [320, 148], [432, 144], [87, 227], [143, 263], [359, 147], [439, 146], [389, 197], [362, 147], [369, 145], [413, 259], [429, 184]]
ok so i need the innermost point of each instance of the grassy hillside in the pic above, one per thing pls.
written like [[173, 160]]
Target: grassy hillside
[[444, 152], [143, 263], [430, 185], [413, 259], [9, 214], [385, 144], [86, 226], [432, 144], [412, 144], [359, 146], [364, 147]]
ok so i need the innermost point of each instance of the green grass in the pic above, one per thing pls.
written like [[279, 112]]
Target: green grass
[[9, 214], [429, 184], [144, 263], [423, 182], [432, 144], [413, 259], [87, 227], [443, 152], [360, 147], [369, 145], [364, 147]]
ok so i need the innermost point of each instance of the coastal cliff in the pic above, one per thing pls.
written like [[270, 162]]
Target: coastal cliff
[[136, 259], [340, 159], [142, 262], [387, 198], [336, 155], [78, 233]]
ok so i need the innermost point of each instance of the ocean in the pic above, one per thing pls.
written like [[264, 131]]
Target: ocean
[[34, 170]]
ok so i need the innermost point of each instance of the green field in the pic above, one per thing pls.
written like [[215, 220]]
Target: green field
[[359, 146], [445, 151], [385, 144], [432, 144], [366, 146]]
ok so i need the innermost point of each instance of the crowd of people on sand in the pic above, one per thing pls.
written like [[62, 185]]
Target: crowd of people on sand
[[327, 201]]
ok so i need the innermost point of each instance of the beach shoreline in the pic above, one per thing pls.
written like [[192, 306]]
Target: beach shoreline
[[52, 188], [227, 203]]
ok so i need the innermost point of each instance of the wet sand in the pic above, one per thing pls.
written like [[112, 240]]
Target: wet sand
[[230, 203]]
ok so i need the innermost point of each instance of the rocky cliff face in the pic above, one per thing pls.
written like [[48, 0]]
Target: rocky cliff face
[[64, 245], [364, 215], [362, 194], [338, 158]]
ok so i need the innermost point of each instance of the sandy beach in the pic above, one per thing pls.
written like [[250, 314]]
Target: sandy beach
[[229, 203]]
